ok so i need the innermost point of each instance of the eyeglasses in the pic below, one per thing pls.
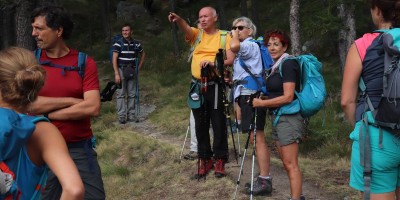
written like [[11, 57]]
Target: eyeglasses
[[239, 27]]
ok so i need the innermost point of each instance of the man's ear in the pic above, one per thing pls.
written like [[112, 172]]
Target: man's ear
[[60, 31]]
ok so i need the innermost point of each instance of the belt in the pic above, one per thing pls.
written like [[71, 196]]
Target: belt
[[126, 65], [239, 82], [80, 144], [194, 80]]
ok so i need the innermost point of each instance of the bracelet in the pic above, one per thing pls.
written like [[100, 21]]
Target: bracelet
[[46, 115]]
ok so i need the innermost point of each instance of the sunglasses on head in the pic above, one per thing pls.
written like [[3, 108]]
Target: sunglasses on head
[[238, 27]]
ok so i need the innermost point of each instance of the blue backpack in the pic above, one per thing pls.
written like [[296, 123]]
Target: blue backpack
[[312, 93], [82, 57], [15, 131], [114, 39], [259, 82]]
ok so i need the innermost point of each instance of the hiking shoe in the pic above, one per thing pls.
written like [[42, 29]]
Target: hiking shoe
[[261, 187], [220, 168], [206, 165], [192, 155], [302, 197], [132, 119], [122, 121]]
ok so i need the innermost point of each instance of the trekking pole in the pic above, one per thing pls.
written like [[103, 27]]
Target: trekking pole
[[237, 131], [184, 142], [219, 60], [241, 164], [137, 91], [254, 117], [254, 156]]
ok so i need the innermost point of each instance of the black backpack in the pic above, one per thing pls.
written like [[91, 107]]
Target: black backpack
[[108, 92]]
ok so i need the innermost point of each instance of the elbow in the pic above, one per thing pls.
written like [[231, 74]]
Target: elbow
[[75, 191], [96, 111], [289, 99], [344, 104], [235, 47]]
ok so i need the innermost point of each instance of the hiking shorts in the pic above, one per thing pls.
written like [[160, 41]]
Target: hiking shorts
[[289, 129], [385, 161], [247, 115]]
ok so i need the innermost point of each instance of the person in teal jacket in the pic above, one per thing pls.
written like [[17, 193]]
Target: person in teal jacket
[[29, 145]]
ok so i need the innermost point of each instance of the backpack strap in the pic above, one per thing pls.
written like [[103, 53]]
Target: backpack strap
[[82, 58], [244, 66], [38, 53], [222, 42], [196, 42]]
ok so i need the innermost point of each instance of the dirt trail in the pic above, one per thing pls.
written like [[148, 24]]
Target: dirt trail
[[281, 188]]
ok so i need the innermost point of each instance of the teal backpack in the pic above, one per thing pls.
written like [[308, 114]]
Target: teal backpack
[[82, 57], [14, 132], [311, 97]]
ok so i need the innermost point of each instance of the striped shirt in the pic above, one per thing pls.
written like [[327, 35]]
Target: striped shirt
[[128, 51]]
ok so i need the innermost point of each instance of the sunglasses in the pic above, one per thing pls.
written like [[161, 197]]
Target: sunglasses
[[239, 27]]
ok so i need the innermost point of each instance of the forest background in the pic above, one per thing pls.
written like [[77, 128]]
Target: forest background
[[325, 28]]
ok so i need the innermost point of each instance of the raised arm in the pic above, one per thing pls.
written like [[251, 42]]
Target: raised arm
[[182, 24], [48, 146], [235, 43]]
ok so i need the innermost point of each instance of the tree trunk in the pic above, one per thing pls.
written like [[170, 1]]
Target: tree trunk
[[254, 12], [347, 33], [23, 24], [106, 20], [243, 7], [221, 14], [295, 26], [174, 30], [7, 26]]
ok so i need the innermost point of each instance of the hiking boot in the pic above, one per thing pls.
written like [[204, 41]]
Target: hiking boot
[[220, 168], [192, 155], [206, 166], [261, 187]]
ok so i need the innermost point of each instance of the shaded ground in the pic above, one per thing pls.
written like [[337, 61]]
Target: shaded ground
[[281, 188]]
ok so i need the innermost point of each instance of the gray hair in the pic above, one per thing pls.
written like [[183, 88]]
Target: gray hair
[[249, 24]]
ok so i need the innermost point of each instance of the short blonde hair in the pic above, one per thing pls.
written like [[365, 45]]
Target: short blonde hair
[[249, 24]]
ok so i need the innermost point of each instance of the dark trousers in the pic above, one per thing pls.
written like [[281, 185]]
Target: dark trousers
[[89, 171], [211, 109]]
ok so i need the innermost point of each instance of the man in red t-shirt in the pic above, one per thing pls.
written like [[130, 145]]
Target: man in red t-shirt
[[68, 99]]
